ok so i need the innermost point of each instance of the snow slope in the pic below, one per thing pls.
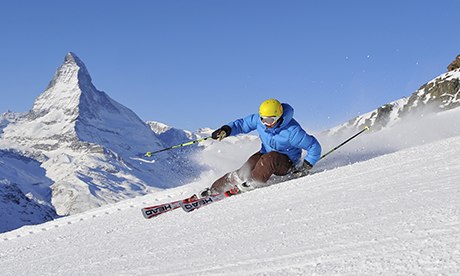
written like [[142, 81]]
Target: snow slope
[[396, 214]]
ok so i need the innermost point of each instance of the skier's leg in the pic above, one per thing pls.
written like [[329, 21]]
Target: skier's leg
[[270, 163], [231, 179]]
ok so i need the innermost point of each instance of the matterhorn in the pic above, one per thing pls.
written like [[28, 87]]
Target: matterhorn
[[86, 146]]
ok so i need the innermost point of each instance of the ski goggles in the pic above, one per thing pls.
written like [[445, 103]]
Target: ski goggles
[[269, 120]]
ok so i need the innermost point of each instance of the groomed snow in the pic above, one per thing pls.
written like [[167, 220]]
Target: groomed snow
[[396, 214]]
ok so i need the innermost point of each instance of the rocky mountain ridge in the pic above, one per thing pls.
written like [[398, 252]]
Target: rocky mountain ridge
[[440, 94]]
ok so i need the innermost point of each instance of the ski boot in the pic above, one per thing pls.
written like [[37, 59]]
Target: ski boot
[[206, 192], [245, 187]]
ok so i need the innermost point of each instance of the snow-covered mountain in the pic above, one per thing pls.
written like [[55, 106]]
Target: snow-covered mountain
[[173, 135], [25, 192], [396, 214], [439, 94], [6, 118], [88, 144]]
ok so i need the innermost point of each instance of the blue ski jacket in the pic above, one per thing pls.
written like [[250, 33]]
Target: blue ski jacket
[[286, 137]]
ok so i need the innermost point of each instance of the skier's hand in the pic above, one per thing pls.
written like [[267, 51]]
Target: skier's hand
[[221, 133], [306, 167]]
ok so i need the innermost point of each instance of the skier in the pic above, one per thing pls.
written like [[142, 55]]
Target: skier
[[282, 142]]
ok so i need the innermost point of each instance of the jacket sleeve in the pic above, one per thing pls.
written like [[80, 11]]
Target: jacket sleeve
[[300, 139], [244, 125]]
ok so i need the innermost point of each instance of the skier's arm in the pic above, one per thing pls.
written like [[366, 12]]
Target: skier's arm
[[303, 140], [244, 125]]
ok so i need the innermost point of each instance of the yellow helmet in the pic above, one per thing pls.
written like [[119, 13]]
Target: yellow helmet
[[271, 108]]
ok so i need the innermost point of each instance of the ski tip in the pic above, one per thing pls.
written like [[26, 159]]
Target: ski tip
[[144, 213]]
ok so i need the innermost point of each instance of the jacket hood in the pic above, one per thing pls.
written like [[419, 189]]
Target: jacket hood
[[288, 114]]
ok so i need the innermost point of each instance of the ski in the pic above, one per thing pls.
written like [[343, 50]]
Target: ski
[[193, 205], [187, 204], [153, 211], [196, 204]]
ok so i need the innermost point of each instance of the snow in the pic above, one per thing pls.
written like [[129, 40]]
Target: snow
[[396, 213], [24, 192], [452, 75], [397, 107]]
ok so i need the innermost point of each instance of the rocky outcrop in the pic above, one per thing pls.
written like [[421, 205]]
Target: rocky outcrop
[[439, 94], [455, 64]]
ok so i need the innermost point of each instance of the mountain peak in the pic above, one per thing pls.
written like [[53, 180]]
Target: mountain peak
[[70, 79], [86, 141], [72, 59], [72, 71]]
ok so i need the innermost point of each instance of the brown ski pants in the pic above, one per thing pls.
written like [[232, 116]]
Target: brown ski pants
[[258, 168]]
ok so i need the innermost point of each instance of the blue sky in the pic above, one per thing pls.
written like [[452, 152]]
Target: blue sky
[[202, 63]]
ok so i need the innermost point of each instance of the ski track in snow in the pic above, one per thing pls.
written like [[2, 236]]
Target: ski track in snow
[[397, 214]]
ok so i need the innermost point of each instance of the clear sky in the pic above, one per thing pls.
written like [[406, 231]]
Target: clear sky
[[202, 63]]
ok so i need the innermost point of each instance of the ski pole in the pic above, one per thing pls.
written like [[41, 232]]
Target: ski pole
[[344, 142], [150, 153]]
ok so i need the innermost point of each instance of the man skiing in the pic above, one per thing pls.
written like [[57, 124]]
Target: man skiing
[[282, 140]]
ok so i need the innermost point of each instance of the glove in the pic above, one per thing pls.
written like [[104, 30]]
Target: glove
[[304, 170], [306, 166], [221, 133]]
